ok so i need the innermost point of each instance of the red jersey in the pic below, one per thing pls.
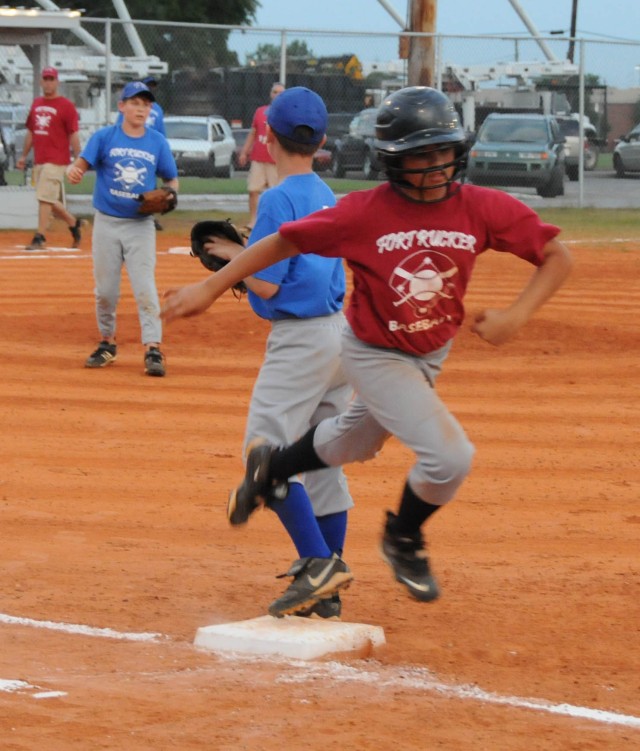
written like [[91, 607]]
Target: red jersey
[[52, 122], [259, 150], [411, 262]]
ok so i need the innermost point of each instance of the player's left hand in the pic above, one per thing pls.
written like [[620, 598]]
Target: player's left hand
[[495, 326], [184, 302]]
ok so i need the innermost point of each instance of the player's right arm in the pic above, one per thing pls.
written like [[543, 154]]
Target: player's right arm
[[76, 170], [194, 299]]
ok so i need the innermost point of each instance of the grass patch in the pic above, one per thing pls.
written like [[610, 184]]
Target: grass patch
[[593, 223]]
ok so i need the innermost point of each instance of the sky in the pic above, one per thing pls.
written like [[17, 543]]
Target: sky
[[613, 19]]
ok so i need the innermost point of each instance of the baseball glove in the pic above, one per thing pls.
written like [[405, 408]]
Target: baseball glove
[[202, 232], [158, 201]]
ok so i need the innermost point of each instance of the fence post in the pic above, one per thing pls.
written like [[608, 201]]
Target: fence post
[[107, 72], [581, 127], [283, 57]]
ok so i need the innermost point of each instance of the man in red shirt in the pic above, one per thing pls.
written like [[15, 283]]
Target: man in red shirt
[[52, 130], [262, 173]]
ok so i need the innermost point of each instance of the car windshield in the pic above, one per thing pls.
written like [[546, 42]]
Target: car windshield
[[190, 131], [569, 127], [513, 131]]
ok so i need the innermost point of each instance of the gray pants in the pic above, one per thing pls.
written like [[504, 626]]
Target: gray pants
[[396, 396], [300, 383], [131, 242]]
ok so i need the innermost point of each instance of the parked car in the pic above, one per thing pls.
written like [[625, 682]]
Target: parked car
[[519, 150], [570, 129], [337, 126], [240, 136], [12, 117], [201, 146], [322, 160], [355, 149], [626, 155], [4, 162]]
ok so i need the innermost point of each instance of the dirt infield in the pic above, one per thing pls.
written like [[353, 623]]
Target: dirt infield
[[115, 547]]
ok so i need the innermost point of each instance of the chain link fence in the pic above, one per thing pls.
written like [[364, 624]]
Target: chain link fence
[[228, 71]]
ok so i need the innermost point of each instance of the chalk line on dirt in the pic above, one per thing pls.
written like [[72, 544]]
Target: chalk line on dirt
[[423, 679], [72, 628], [398, 677]]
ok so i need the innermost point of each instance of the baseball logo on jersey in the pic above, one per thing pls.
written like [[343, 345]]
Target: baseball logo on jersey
[[423, 280], [130, 173]]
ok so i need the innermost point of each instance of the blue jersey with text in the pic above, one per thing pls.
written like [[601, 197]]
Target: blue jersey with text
[[126, 167], [310, 286]]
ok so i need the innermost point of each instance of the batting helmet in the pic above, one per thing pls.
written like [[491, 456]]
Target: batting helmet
[[411, 119]]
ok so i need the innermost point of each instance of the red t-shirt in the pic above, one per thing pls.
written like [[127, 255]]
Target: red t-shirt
[[259, 150], [412, 262], [52, 122]]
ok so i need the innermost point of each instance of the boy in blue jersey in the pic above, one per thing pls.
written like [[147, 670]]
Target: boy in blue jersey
[[127, 158], [301, 379]]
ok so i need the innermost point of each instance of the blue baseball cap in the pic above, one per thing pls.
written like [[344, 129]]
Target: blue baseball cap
[[298, 106], [136, 88]]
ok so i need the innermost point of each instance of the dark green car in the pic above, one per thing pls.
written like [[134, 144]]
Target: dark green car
[[519, 150]]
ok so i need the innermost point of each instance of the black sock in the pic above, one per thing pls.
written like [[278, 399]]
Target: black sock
[[297, 457], [413, 511]]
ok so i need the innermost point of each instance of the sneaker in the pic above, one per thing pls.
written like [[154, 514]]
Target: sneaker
[[76, 233], [407, 557], [154, 362], [314, 579], [104, 355], [38, 243], [329, 609], [255, 488]]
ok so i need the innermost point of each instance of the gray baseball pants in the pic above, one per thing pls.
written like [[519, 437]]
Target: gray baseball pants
[[396, 396], [300, 383], [132, 243]]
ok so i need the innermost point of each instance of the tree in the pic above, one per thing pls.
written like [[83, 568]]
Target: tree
[[270, 53], [229, 12], [180, 47]]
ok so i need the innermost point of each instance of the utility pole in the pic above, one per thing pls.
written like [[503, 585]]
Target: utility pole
[[572, 32], [422, 50]]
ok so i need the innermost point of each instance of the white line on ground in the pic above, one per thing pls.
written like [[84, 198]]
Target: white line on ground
[[420, 678], [21, 687], [72, 628], [399, 677]]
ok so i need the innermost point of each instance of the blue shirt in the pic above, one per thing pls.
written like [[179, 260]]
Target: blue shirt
[[310, 286], [126, 167]]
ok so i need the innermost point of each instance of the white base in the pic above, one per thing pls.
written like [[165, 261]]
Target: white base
[[292, 636]]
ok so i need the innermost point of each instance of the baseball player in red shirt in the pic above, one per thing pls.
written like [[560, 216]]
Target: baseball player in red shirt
[[262, 172], [411, 244], [52, 130]]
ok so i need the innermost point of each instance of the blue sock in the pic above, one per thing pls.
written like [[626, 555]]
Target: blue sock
[[334, 530], [296, 515]]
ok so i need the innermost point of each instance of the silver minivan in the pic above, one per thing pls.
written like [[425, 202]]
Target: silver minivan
[[201, 146], [626, 155]]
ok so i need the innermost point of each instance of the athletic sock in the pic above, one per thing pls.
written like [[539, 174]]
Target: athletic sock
[[297, 517], [334, 530], [413, 511], [295, 458]]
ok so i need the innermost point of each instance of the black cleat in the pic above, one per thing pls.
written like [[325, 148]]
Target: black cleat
[[256, 487], [154, 362], [406, 555], [314, 579], [104, 355]]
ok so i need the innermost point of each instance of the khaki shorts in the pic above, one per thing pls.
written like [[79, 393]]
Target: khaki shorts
[[49, 182], [262, 175]]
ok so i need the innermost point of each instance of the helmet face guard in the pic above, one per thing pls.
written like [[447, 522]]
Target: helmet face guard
[[409, 122]]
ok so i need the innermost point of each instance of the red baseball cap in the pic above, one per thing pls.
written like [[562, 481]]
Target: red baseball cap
[[49, 73]]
